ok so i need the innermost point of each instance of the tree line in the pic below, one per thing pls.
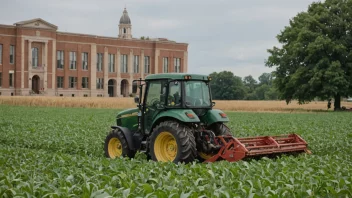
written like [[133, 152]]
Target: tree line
[[226, 86]]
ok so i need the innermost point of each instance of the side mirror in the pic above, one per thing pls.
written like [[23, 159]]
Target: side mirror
[[136, 100], [213, 104]]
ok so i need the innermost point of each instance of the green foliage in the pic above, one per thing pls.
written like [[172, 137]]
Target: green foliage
[[315, 59], [226, 86], [250, 83], [58, 152]]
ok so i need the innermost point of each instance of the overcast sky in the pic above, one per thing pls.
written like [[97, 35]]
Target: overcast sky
[[222, 34]]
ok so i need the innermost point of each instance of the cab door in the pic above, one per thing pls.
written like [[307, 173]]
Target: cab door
[[154, 102]]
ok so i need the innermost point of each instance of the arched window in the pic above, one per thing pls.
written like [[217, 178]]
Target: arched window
[[35, 57], [124, 30]]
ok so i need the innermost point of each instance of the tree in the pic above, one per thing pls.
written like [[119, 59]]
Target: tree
[[261, 90], [265, 78], [315, 59], [250, 84], [226, 86], [271, 94]]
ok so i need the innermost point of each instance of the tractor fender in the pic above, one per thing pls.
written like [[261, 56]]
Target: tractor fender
[[178, 114], [213, 116], [128, 135]]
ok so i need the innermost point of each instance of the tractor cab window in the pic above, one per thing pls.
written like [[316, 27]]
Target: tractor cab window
[[156, 94], [197, 94], [174, 97]]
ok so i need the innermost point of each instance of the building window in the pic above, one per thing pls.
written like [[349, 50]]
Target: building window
[[0, 79], [99, 61], [100, 83], [73, 60], [84, 61], [124, 67], [60, 59], [84, 82], [72, 81], [35, 57], [12, 54], [165, 65], [146, 64], [60, 82], [177, 65], [111, 62], [0, 54], [11, 79], [136, 64]]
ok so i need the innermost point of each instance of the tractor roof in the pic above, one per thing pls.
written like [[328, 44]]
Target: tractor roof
[[176, 76]]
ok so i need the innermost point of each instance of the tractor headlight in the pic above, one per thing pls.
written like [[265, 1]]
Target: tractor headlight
[[188, 77]]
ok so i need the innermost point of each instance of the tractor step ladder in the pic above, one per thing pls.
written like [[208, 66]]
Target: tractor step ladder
[[235, 149]]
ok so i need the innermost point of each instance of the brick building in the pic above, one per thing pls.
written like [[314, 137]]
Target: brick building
[[35, 58]]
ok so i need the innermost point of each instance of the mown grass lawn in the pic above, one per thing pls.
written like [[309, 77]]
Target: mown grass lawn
[[58, 152]]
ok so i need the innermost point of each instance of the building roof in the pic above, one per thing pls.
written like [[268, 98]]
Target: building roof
[[176, 76], [125, 19], [36, 23]]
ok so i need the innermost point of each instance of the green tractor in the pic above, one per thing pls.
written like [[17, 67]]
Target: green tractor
[[175, 121]]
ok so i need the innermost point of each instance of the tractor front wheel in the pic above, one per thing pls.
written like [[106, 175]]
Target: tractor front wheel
[[116, 145], [174, 142]]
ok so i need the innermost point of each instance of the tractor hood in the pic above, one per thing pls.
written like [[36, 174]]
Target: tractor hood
[[128, 118], [127, 113]]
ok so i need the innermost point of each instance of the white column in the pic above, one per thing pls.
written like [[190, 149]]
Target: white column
[[156, 61], [118, 71], [45, 66], [53, 68], [22, 65], [185, 62], [106, 72], [29, 65], [130, 69], [93, 69], [141, 64], [118, 62]]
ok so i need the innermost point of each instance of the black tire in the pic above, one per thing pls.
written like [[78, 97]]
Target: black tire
[[123, 151], [183, 138], [220, 129]]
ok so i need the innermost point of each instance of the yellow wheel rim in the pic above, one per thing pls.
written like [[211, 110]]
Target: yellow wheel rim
[[205, 155], [165, 147], [114, 148]]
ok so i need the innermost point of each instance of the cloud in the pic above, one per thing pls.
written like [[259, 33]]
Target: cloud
[[162, 24], [241, 70], [252, 50], [260, 14]]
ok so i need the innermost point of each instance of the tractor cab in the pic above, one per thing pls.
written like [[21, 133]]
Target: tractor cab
[[178, 96]]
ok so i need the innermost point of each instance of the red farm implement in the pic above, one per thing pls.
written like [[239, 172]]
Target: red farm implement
[[235, 149]]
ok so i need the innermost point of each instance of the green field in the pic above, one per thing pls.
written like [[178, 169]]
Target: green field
[[58, 152]]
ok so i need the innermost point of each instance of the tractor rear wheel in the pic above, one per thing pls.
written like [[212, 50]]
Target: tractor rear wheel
[[116, 145], [172, 141], [220, 129]]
